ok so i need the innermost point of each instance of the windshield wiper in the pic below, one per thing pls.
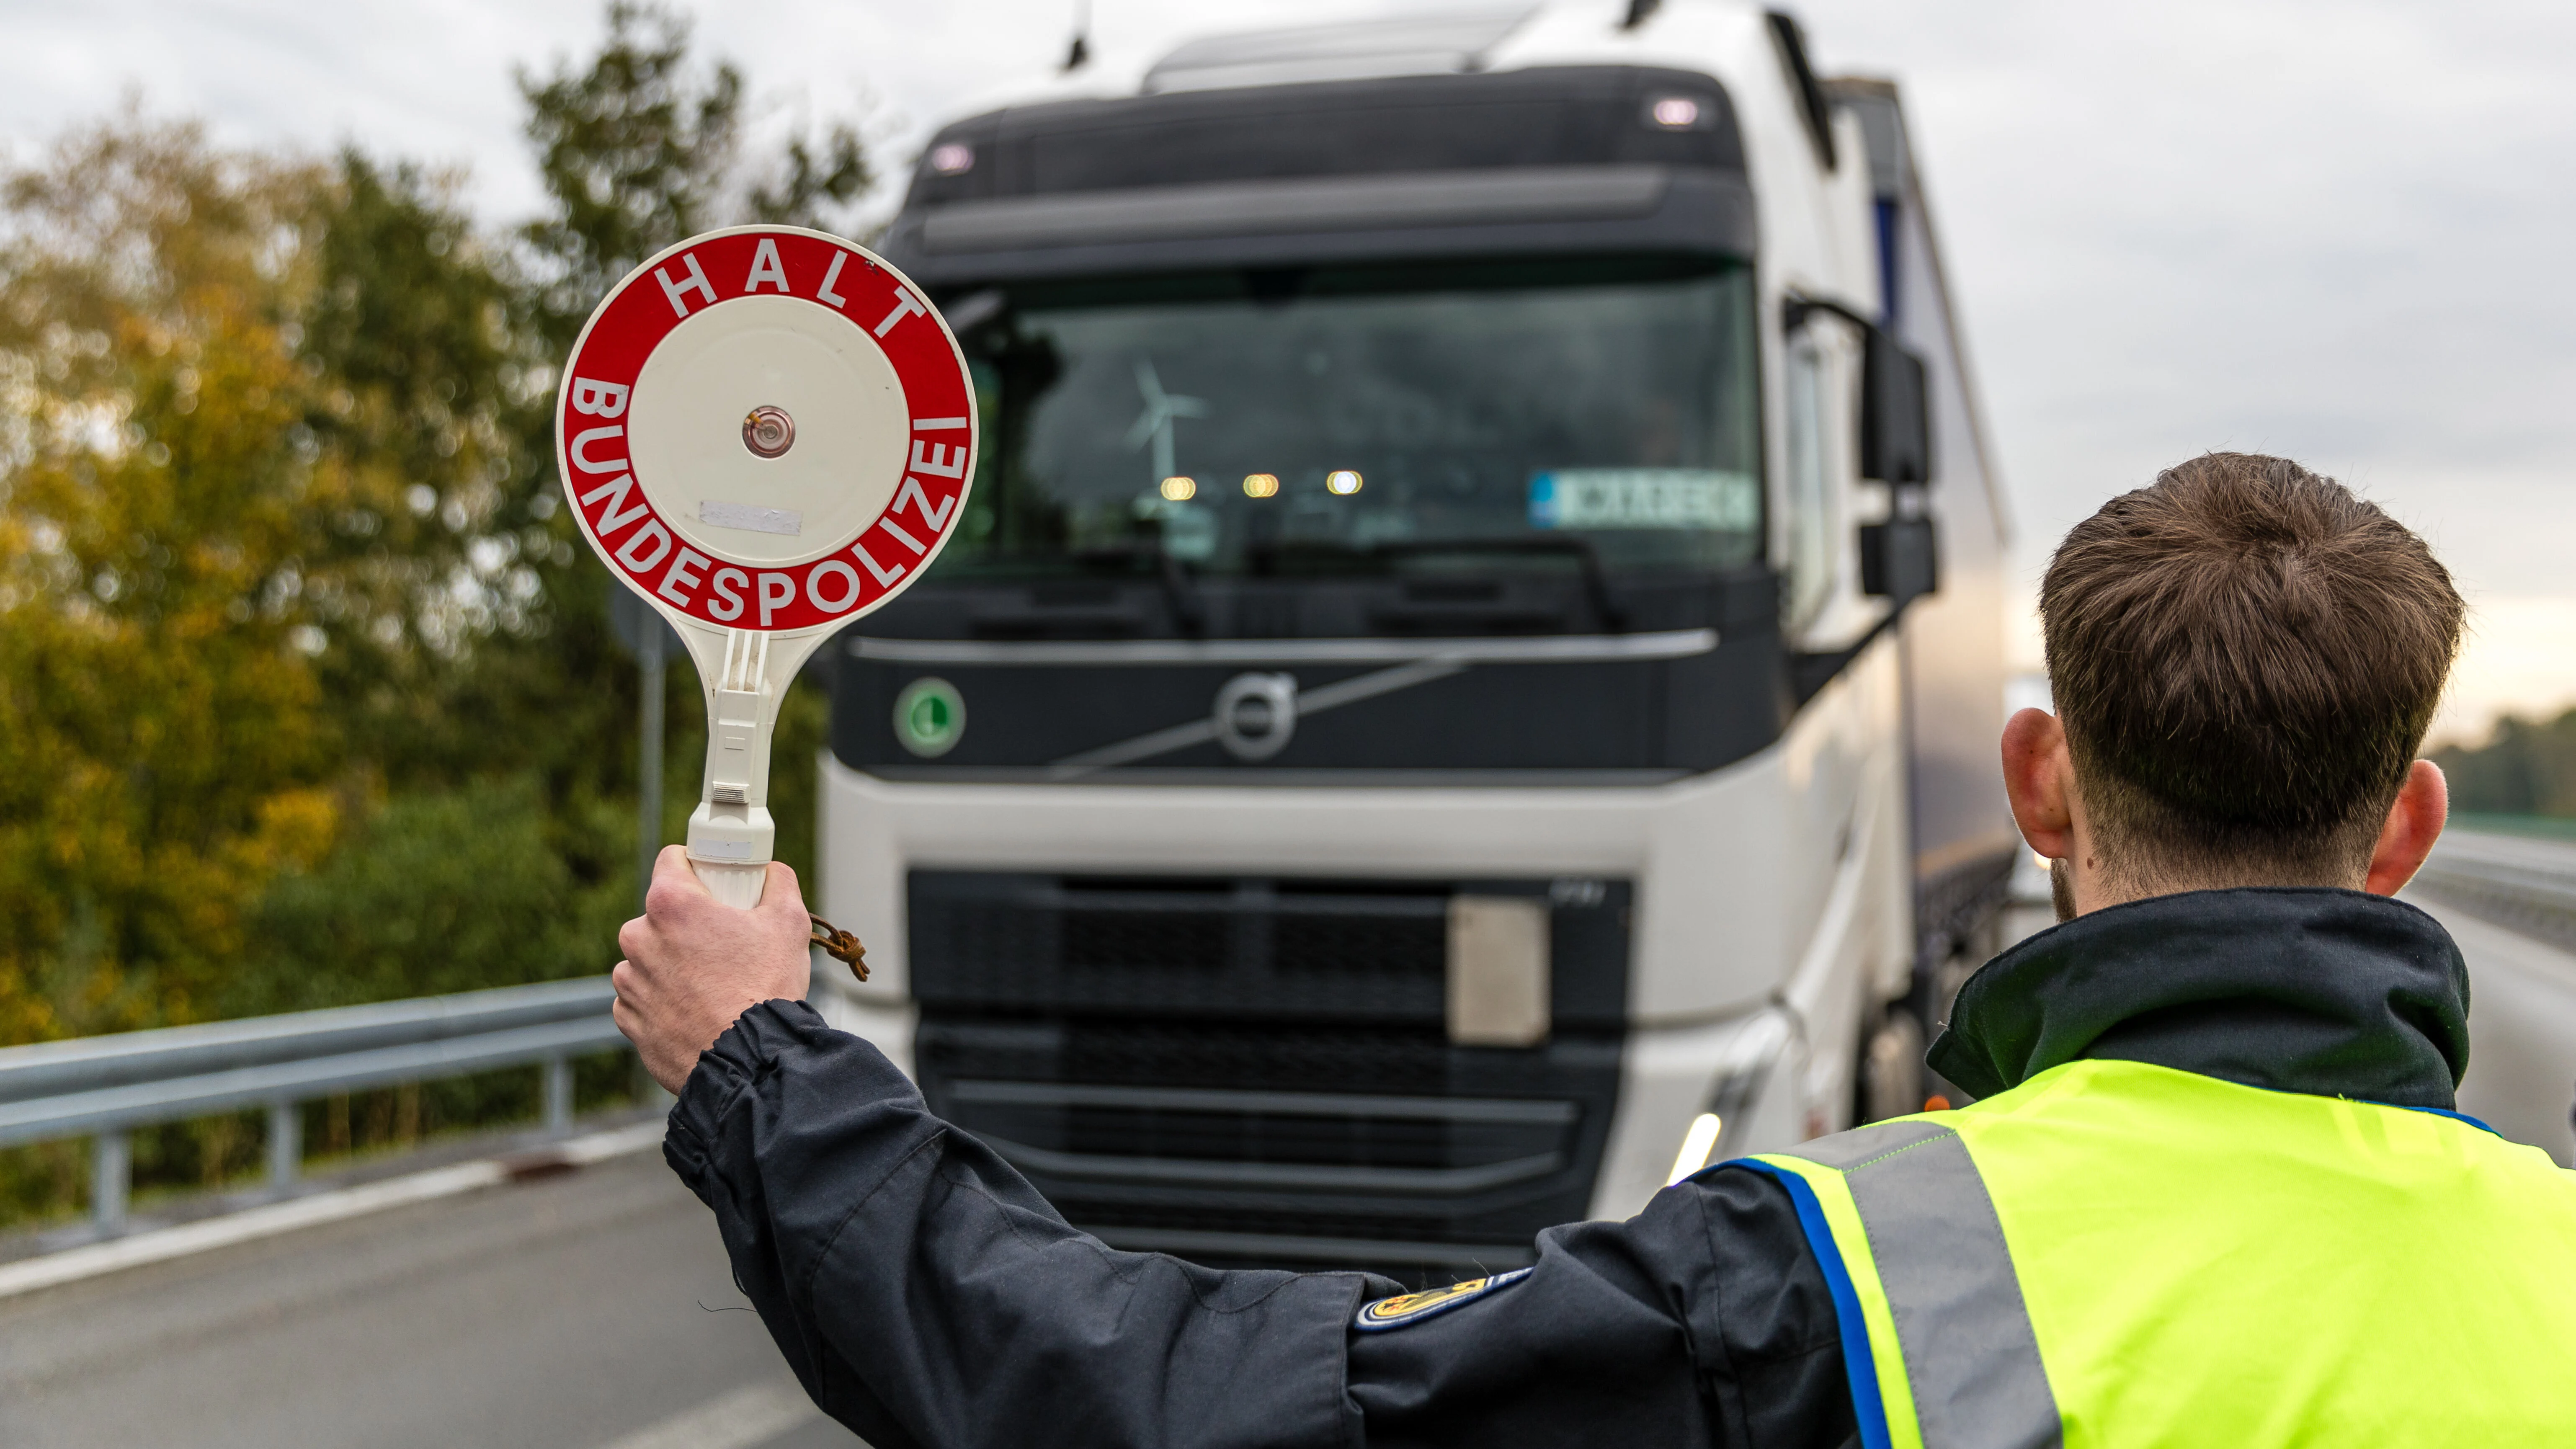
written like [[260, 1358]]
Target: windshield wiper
[[1180, 594], [1596, 581]]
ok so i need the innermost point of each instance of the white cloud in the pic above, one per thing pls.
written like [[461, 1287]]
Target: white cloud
[[2515, 661]]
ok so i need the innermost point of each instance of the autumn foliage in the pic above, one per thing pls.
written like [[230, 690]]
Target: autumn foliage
[[307, 694]]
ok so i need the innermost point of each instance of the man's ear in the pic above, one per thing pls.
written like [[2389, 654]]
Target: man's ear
[[2037, 770], [2414, 823]]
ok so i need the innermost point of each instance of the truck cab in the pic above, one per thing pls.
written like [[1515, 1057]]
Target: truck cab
[[1467, 685]]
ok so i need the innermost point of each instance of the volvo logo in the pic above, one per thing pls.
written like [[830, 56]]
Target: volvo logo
[[1255, 714]]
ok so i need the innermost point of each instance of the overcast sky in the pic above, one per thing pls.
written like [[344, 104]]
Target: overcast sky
[[2339, 231]]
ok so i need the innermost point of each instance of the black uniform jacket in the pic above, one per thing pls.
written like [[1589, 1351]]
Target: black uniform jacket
[[926, 1295]]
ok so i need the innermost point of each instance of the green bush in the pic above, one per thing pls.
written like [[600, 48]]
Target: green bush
[[2527, 768], [451, 891]]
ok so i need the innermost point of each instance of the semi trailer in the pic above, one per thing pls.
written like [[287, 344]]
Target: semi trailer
[[1467, 685]]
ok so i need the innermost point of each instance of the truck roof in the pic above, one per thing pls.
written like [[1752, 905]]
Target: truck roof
[[1544, 116], [1539, 128], [1413, 45], [1685, 34]]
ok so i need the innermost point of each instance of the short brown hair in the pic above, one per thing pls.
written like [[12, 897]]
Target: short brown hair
[[2245, 657]]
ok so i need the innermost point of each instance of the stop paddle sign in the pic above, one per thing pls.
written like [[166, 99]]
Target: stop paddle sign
[[766, 432]]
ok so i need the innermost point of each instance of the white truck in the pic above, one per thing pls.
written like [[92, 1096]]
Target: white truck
[[1468, 686]]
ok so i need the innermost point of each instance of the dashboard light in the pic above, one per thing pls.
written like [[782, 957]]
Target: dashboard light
[[1676, 113], [1342, 481], [1260, 485], [952, 159], [1180, 490], [1697, 1144]]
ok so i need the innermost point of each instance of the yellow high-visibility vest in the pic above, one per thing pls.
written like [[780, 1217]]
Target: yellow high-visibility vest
[[2114, 1254]]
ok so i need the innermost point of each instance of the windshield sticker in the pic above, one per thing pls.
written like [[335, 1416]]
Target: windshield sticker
[[1644, 498]]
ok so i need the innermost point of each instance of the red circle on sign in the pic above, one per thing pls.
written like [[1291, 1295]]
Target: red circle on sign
[[855, 574]]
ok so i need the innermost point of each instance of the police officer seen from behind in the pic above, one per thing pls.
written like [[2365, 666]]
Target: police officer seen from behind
[[2213, 1191]]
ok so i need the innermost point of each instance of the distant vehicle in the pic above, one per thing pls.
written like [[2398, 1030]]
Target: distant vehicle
[[1443, 715]]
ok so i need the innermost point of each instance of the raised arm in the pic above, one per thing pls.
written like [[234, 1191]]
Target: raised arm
[[926, 1295], [923, 1292]]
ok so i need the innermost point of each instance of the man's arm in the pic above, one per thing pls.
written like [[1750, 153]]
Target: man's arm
[[1701, 1321], [926, 1295], [922, 1291]]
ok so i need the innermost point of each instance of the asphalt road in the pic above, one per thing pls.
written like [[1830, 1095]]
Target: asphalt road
[[2522, 1004], [587, 1311], [2522, 1033]]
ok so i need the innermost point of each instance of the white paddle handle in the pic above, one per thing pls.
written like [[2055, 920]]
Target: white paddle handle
[[734, 884], [731, 837]]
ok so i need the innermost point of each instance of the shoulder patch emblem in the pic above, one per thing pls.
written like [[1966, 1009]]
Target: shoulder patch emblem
[[1406, 1308]]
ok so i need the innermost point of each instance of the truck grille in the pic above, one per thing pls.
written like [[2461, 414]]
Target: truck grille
[[1256, 1071]]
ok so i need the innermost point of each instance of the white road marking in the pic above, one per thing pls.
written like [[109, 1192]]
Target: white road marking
[[160, 1245], [738, 1420]]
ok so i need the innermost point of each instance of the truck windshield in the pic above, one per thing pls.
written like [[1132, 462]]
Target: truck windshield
[[1329, 421]]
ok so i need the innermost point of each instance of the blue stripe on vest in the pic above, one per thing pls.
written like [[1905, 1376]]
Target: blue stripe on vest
[[2447, 1112], [1858, 1363]]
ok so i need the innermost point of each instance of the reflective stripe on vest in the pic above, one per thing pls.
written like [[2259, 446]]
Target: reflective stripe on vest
[[2114, 1254], [1945, 1357]]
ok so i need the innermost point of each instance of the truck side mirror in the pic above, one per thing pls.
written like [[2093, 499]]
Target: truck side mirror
[[1900, 559], [1895, 420]]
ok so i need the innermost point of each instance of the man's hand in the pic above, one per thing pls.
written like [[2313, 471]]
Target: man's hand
[[693, 963]]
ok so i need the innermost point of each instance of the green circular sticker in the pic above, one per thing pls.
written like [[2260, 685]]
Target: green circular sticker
[[929, 717]]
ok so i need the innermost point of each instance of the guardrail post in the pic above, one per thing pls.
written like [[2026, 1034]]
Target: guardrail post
[[111, 1175], [558, 1093], [285, 1143]]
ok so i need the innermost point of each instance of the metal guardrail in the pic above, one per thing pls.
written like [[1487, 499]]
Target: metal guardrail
[[2527, 884], [103, 1087]]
